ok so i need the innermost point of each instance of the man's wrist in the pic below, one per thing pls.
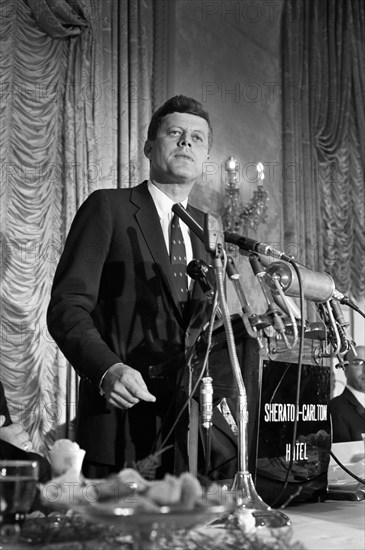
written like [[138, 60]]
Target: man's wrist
[[114, 370]]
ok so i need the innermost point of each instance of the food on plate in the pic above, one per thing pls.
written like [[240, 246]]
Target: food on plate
[[128, 489], [191, 490], [123, 485], [166, 491]]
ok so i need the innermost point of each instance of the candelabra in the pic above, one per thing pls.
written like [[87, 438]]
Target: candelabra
[[238, 217]]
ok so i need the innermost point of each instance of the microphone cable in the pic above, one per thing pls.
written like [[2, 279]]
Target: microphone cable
[[338, 461]]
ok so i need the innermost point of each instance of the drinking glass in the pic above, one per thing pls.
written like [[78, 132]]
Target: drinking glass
[[18, 487]]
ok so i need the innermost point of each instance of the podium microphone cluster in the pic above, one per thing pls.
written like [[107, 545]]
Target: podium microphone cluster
[[232, 238]]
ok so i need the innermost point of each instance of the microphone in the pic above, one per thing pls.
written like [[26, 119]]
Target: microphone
[[235, 279], [211, 235], [341, 322], [180, 211], [317, 287], [206, 401], [277, 322], [337, 312], [197, 270], [254, 246]]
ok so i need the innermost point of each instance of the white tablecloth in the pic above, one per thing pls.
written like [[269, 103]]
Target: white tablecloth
[[330, 525]]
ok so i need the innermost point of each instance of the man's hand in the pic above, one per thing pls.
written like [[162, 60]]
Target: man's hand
[[124, 387], [16, 435]]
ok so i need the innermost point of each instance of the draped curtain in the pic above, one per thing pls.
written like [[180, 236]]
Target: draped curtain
[[323, 90], [79, 81]]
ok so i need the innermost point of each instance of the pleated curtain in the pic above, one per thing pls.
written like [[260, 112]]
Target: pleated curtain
[[323, 101], [78, 81]]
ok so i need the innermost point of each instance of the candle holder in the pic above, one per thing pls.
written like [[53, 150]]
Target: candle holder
[[238, 217]]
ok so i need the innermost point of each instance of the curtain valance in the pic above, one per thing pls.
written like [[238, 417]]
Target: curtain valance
[[58, 18]]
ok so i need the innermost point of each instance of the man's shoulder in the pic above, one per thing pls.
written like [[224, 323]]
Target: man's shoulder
[[197, 214], [195, 208], [114, 192], [344, 397], [336, 399], [112, 196]]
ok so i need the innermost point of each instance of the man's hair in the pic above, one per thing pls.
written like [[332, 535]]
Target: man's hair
[[178, 104]]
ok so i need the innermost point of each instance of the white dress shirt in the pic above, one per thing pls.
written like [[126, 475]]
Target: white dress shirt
[[163, 205]]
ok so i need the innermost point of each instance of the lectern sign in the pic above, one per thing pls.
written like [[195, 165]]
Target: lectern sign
[[294, 438]]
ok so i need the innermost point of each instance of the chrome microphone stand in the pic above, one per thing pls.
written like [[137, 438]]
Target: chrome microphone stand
[[243, 488]]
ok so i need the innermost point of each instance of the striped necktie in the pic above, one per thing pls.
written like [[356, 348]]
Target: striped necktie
[[178, 259]]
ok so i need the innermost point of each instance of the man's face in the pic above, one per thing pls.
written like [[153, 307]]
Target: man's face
[[179, 150], [355, 371]]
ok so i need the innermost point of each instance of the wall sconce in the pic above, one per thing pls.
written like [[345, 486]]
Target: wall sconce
[[237, 217]]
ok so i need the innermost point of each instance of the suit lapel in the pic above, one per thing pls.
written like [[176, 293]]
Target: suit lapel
[[149, 223]]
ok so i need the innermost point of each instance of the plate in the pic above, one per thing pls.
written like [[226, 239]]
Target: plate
[[166, 517]]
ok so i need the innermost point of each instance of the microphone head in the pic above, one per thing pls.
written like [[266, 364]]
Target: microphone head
[[317, 287], [213, 233], [197, 269]]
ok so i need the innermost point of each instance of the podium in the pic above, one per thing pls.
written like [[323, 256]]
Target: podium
[[284, 470]]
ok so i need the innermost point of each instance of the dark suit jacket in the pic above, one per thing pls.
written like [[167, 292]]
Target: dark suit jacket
[[113, 299], [348, 417]]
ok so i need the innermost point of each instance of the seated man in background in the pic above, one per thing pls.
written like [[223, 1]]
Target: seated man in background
[[15, 443], [348, 409]]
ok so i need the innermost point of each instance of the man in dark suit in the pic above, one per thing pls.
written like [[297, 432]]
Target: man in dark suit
[[115, 309], [348, 409]]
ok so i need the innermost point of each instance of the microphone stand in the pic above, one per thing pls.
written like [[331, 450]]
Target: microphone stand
[[250, 320], [243, 487]]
